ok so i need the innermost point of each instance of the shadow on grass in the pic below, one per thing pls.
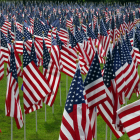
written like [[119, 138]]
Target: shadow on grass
[[35, 137], [53, 126]]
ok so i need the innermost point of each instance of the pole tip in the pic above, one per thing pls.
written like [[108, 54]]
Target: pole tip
[[42, 32], [111, 41], [12, 41], [77, 52], [23, 38], [77, 60], [116, 39], [96, 46]]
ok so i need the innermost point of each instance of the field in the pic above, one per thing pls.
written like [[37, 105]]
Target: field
[[48, 130]]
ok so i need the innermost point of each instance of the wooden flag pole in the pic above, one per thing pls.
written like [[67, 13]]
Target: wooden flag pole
[[36, 119], [24, 127], [96, 123], [45, 112], [60, 93], [11, 128], [53, 108], [24, 112]]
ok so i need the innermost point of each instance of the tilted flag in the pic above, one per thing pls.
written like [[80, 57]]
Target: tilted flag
[[129, 116], [75, 121], [12, 103], [35, 86], [38, 104], [1, 66], [52, 74], [94, 85], [133, 70], [5, 47], [106, 108], [119, 87], [104, 37]]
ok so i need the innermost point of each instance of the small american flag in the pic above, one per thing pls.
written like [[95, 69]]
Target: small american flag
[[75, 121], [94, 85], [12, 103], [35, 86]]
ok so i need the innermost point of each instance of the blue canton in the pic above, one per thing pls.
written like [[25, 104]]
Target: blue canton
[[26, 57], [13, 65], [75, 95]]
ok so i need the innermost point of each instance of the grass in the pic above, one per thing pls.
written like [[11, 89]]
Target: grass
[[45, 130]]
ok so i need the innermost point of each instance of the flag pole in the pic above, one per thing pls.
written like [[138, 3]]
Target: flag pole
[[11, 128], [60, 93], [36, 119], [51, 47], [45, 104], [24, 113], [24, 127], [12, 117], [96, 112]]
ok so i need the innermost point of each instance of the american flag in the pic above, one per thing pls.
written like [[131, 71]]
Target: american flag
[[35, 86], [136, 46], [106, 108], [19, 41], [28, 39], [1, 66], [38, 104], [5, 47], [104, 37], [129, 117], [12, 103], [56, 54], [52, 74], [75, 121], [113, 31], [133, 72], [18, 64], [39, 26], [94, 85], [131, 50], [80, 46], [119, 87], [3, 24]]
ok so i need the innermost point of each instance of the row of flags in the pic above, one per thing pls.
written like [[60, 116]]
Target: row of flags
[[51, 37]]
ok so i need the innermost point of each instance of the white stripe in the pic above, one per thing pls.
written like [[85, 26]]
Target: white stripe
[[96, 100]]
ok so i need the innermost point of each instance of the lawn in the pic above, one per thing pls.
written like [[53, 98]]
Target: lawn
[[48, 130]]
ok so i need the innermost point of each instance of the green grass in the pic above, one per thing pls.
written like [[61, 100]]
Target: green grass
[[48, 130]]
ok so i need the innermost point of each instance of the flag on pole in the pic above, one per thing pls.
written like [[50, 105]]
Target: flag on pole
[[52, 75], [106, 108], [12, 103], [129, 116], [75, 121], [94, 85], [1, 66], [35, 86]]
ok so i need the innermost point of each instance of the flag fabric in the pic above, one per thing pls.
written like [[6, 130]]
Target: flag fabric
[[128, 43], [106, 108], [1, 66], [5, 47], [52, 74], [94, 85], [119, 87], [19, 41], [35, 86], [104, 37], [18, 64], [37, 105], [12, 103], [75, 121], [129, 116], [133, 73]]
